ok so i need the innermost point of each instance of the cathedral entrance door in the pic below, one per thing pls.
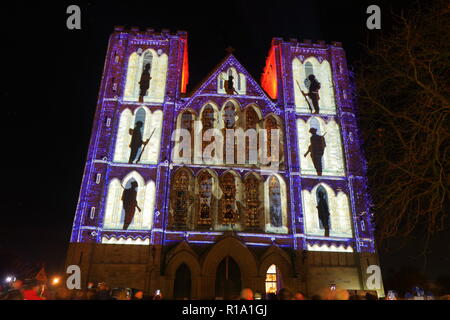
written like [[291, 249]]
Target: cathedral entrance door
[[182, 283], [228, 279]]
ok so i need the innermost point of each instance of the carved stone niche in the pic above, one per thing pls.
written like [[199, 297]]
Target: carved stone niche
[[181, 199]]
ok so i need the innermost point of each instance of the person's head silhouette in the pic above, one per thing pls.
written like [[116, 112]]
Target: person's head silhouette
[[139, 124], [321, 196]]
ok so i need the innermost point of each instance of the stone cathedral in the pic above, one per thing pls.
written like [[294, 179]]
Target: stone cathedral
[[157, 211]]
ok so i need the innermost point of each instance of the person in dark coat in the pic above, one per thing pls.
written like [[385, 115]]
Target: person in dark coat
[[316, 148], [144, 83], [313, 93], [129, 204]]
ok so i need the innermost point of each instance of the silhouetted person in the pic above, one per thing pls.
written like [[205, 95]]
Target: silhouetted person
[[324, 213], [136, 141], [144, 83], [129, 204], [316, 148], [313, 93], [229, 85]]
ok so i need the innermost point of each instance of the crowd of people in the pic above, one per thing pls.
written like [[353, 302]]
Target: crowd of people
[[36, 290]]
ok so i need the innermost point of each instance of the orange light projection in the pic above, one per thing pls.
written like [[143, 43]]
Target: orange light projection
[[269, 76], [185, 71]]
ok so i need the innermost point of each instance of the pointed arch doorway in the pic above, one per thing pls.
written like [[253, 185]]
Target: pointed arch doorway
[[228, 279], [182, 283]]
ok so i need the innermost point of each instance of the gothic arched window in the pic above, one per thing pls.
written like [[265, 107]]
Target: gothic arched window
[[252, 122], [276, 142], [140, 117], [320, 147], [130, 203], [184, 146], [205, 194], [229, 116], [182, 283], [253, 203], [148, 57], [181, 198], [326, 213], [228, 203], [238, 85], [275, 205], [208, 118], [323, 210], [146, 76], [301, 71], [272, 279], [208, 122], [276, 214], [138, 136]]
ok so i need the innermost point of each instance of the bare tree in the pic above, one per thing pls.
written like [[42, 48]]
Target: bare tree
[[403, 94]]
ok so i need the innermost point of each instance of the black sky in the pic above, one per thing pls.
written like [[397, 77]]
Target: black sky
[[53, 75]]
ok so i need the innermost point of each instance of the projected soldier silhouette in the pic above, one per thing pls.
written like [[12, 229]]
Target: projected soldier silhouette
[[129, 200]]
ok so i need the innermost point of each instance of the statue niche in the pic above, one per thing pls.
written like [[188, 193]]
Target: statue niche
[[251, 122], [229, 119], [205, 199], [323, 210], [275, 203], [272, 124], [181, 199], [187, 123], [144, 82], [207, 123], [228, 204]]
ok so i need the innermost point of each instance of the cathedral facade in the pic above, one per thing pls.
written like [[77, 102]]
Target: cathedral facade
[[167, 204]]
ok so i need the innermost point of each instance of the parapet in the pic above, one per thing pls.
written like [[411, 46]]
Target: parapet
[[163, 33]]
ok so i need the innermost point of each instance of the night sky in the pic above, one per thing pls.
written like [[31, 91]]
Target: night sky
[[53, 76]]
